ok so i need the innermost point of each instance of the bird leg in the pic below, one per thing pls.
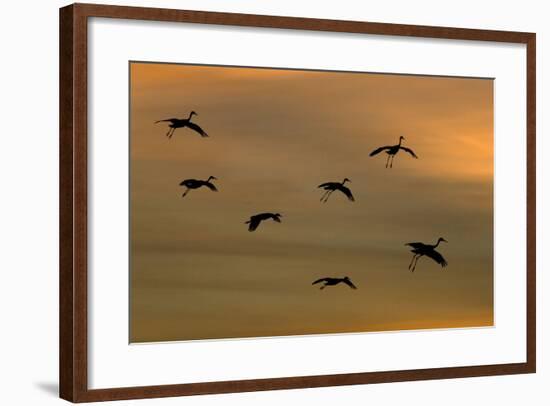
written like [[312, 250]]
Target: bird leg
[[388, 160], [170, 132], [415, 262], [415, 256], [324, 194], [391, 162], [185, 193], [328, 195], [412, 259], [322, 287]]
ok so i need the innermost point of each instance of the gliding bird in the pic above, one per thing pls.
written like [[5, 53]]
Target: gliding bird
[[181, 123], [330, 187], [255, 221], [335, 281], [392, 150], [195, 184], [421, 249]]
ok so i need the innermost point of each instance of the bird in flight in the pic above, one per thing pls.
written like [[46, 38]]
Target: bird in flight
[[255, 220], [392, 151], [420, 249], [181, 123], [330, 187], [195, 184], [335, 281]]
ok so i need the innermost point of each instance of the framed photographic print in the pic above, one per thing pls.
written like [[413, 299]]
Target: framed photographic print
[[256, 202]]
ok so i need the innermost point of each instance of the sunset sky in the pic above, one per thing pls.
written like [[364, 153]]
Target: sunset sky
[[275, 135]]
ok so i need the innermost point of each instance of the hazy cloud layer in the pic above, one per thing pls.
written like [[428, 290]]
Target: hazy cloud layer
[[275, 135]]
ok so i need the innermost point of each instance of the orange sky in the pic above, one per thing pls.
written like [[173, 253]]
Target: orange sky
[[196, 272]]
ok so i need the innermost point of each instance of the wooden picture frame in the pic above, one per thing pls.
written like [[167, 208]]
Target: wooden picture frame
[[74, 201]]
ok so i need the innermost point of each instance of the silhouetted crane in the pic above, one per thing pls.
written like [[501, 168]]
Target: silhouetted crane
[[255, 220], [392, 150], [335, 281], [421, 249], [330, 187], [181, 123], [195, 184]]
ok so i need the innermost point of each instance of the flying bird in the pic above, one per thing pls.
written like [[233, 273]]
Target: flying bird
[[330, 187], [255, 220], [392, 151], [181, 123], [335, 281], [420, 249], [195, 184]]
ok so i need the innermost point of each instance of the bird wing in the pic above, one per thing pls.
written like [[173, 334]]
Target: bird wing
[[378, 150], [410, 151], [349, 283], [188, 182], [326, 184], [254, 222], [172, 120], [437, 257], [210, 186], [320, 280], [347, 192], [195, 127], [416, 244]]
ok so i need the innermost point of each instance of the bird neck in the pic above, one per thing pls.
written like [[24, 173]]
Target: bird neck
[[209, 178], [437, 243], [344, 181], [190, 116], [400, 141]]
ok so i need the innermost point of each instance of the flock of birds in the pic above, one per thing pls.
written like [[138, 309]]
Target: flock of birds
[[419, 249]]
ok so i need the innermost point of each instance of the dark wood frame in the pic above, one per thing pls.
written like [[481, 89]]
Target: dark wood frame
[[73, 348]]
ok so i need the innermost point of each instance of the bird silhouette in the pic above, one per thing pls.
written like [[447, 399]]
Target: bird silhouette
[[392, 151], [255, 220], [335, 281], [181, 123], [330, 187], [420, 249], [195, 184]]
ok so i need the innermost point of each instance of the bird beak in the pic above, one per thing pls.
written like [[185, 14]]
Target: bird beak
[[444, 240]]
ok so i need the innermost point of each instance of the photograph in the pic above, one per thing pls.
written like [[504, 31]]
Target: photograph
[[270, 202]]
